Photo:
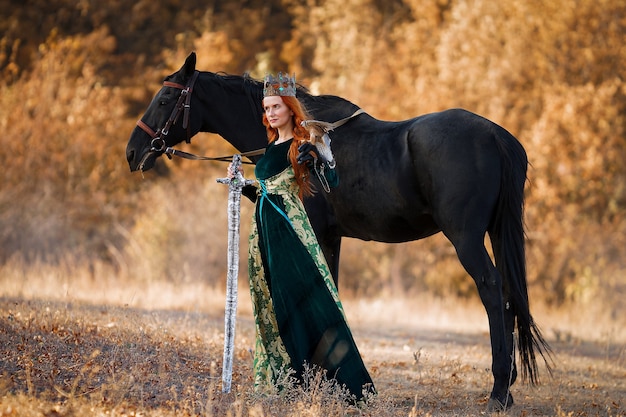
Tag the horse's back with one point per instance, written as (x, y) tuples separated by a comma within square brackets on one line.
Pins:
[(406, 180)]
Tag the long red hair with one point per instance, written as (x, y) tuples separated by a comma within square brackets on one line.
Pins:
[(300, 135)]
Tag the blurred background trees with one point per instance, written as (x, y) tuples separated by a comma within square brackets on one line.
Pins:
[(75, 76)]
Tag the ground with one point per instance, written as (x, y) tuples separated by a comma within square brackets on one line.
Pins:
[(84, 354)]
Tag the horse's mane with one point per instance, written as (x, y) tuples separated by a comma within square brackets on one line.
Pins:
[(328, 107), (327, 100), (234, 83)]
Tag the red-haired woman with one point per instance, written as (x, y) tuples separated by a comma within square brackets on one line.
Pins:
[(299, 319)]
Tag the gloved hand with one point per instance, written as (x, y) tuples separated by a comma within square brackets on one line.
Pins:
[(317, 160), (308, 154)]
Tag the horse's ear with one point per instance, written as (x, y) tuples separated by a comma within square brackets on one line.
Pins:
[(189, 66)]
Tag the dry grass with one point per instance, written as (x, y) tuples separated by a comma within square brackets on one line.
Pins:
[(107, 345)]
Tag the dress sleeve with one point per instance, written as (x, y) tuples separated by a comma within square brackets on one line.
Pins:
[(331, 176), (250, 192)]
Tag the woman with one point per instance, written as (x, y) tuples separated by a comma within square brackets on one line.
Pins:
[(299, 319)]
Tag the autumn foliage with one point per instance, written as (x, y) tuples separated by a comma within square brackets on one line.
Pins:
[(76, 75)]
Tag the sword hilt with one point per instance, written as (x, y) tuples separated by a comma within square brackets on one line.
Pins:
[(236, 178)]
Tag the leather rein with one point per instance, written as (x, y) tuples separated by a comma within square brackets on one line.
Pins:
[(183, 106)]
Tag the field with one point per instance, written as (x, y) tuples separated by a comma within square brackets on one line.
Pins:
[(102, 346)]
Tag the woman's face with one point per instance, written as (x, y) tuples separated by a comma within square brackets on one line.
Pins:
[(277, 113)]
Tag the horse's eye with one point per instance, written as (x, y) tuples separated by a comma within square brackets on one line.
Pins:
[(164, 100)]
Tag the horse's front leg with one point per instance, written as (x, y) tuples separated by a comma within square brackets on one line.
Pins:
[(331, 248)]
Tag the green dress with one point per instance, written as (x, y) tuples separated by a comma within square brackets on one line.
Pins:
[(299, 318)]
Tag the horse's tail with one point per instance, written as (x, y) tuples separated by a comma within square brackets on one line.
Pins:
[(507, 236)]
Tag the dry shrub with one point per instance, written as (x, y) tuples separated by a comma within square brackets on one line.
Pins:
[(189, 246), (587, 170), (581, 192), (63, 175), (548, 72)]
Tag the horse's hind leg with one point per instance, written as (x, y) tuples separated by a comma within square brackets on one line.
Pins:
[(473, 255)]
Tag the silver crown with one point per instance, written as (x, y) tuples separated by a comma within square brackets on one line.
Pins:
[(281, 85)]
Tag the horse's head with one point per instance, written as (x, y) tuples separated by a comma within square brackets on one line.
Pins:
[(166, 121)]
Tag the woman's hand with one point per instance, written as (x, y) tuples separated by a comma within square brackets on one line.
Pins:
[(312, 154), (308, 153), (230, 173)]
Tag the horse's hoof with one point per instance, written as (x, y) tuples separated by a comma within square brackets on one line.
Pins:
[(496, 406)]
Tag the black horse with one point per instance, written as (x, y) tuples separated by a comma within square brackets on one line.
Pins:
[(452, 172)]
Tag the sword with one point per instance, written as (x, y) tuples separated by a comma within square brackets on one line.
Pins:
[(235, 183)]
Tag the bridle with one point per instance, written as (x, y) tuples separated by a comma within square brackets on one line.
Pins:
[(158, 145), (183, 106)]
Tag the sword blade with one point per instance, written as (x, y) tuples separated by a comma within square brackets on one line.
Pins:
[(235, 184)]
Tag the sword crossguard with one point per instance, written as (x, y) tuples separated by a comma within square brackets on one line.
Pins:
[(236, 179)]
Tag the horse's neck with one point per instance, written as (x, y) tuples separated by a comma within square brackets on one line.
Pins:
[(245, 136), (236, 121)]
